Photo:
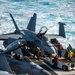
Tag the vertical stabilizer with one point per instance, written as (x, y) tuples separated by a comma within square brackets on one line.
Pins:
[(4, 65), (32, 23), (17, 29), (61, 29)]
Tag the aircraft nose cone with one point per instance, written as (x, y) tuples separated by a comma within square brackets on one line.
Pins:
[(50, 49), (53, 50)]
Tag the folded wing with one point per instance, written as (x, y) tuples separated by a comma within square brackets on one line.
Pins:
[(61, 32)]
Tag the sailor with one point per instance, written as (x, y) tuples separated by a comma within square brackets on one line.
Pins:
[(17, 56), (60, 45), (59, 52), (70, 55), (70, 47), (37, 52), (67, 52), (66, 55), (55, 61), (12, 54)]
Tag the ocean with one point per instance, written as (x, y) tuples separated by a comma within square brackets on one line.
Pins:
[(49, 13)]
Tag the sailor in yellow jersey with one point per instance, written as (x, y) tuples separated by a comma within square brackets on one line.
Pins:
[(70, 55)]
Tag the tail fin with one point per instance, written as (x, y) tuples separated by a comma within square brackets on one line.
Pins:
[(61, 29), (32, 23), (17, 29), (4, 65)]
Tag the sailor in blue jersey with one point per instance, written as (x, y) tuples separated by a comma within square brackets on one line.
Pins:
[(59, 52)]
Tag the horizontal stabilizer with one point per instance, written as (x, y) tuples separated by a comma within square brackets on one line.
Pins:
[(32, 23), (17, 29)]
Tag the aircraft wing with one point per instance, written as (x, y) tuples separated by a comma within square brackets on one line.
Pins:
[(6, 36), (50, 36), (16, 36), (61, 32)]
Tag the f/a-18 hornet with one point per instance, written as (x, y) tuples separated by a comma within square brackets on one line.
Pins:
[(12, 62), (36, 39)]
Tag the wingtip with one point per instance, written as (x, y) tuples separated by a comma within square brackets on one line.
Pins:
[(61, 23), (34, 14), (10, 14), (17, 29)]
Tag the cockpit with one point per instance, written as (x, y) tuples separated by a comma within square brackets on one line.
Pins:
[(42, 32), (16, 44)]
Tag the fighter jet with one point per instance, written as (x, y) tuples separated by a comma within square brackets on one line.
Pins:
[(21, 66), (29, 35), (4, 64)]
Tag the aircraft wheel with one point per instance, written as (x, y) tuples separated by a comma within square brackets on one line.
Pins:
[(65, 68)]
